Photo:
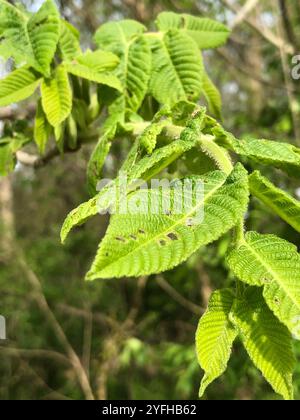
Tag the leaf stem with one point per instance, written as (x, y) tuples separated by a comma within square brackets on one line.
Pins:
[(217, 153)]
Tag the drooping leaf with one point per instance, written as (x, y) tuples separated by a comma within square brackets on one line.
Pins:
[(18, 85), (100, 61), (280, 202), (207, 33), (86, 72), (42, 129), (124, 39), (7, 160), (69, 41), (177, 71), (8, 148), (57, 97), (274, 264), (97, 160), (266, 152), (72, 131), (212, 96), (215, 336), (266, 340), (110, 34), (145, 243), (143, 169)]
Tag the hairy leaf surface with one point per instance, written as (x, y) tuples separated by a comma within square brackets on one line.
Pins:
[(274, 264), (143, 244), (31, 39), (215, 336), (280, 202), (124, 39), (280, 155), (266, 340), (69, 44), (177, 73)]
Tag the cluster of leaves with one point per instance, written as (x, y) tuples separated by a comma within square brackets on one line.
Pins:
[(148, 88)]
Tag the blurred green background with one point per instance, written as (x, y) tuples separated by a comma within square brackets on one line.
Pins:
[(135, 338)]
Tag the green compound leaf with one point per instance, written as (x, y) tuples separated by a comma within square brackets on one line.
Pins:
[(215, 337), (274, 264), (266, 340), (144, 244)]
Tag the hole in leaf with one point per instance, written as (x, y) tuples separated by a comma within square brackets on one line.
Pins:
[(277, 301), (162, 242), (190, 223), (142, 232), (133, 237), (173, 236), (120, 239)]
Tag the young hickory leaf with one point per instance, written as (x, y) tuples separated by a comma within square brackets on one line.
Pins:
[(57, 97), (14, 40), (42, 129), (177, 70), (31, 39), (124, 39), (215, 336), (148, 138), (43, 32), (266, 340), (18, 85), (144, 244), (99, 61), (97, 160), (69, 44), (87, 72), (281, 203), (207, 33), (280, 155), (274, 264)]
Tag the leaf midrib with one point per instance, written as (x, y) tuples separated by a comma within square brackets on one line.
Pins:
[(273, 273), (171, 228)]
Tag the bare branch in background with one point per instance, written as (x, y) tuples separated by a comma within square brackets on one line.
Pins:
[(279, 42), (244, 12), (187, 304)]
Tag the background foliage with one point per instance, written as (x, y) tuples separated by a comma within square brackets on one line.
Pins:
[(136, 338)]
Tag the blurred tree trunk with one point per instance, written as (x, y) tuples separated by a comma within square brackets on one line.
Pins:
[(6, 218)]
